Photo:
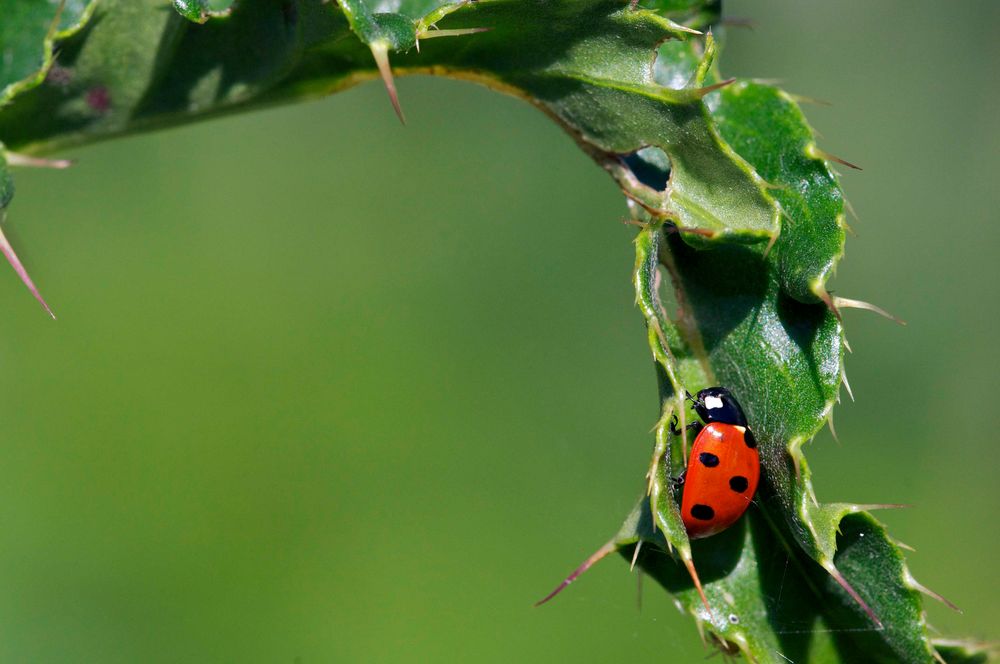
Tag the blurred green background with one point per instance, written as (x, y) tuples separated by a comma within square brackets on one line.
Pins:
[(324, 388)]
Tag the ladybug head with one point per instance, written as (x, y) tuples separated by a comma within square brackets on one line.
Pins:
[(717, 404)]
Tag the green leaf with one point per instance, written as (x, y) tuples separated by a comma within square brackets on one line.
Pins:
[(599, 86), (740, 214), (766, 127), (108, 72), (740, 323), (762, 593), (27, 32), (602, 90)]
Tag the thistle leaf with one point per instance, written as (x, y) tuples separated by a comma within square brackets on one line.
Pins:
[(741, 226)]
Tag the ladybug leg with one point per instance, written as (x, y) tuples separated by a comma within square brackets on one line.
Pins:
[(679, 480), (674, 431)]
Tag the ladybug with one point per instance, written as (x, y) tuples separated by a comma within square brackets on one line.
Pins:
[(724, 467)]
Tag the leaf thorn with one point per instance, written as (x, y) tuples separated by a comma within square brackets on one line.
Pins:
[(803, 99), (850, 209), (431, 34), (913, 583), (869, 507), (54, 26), (609, 547), (683, 28), (846, 226), (15, 159), (847, 385), (380, 51), (814, 151), (635, 555), (833, 431), (701, 92), (770, 243), (22, 272), (839, 578), (689, 563), (820, 290), (847, 303)]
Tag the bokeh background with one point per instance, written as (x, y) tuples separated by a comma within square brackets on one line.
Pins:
[(324, 388)]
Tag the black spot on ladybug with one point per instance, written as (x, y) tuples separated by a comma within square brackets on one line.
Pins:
[(708, 459), (703, 512), (738, 483), (749, 439)]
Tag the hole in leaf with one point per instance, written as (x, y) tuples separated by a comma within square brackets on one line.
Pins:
[(650, 166)]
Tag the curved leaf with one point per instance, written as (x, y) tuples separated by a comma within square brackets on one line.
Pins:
[(741, 323), (587, 63), (710, 171)]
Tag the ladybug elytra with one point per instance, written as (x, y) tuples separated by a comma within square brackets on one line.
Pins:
[(724, 466)]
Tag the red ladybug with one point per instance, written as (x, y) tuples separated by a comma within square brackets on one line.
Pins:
[(724, 467)]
